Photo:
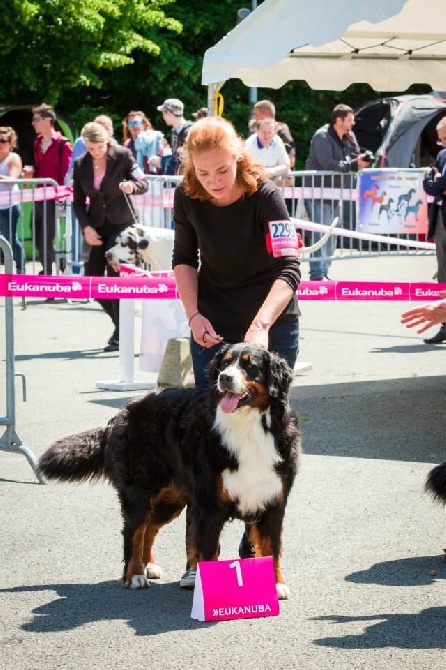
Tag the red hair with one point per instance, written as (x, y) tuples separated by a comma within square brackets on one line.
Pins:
[(211, 133)]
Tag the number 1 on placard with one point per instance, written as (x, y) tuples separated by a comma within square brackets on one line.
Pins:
[(238, 571)]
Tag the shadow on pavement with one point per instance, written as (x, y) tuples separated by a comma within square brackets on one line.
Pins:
[(419, 348), (66, 355), (425, 630), (397, 419), (413, 571), (159, 609)]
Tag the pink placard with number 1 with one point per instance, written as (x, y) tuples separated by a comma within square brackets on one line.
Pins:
[(235, 589)]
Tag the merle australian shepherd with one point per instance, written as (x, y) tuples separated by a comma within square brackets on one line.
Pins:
[(228, 453)]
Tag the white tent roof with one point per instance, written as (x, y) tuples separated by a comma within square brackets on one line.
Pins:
[(389, 44)]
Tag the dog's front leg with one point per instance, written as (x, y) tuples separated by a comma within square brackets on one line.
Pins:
[(134, 577), (265, 536), (203, 529)]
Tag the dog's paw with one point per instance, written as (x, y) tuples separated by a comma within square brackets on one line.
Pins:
[(138, 582), (283, 592), (153, 571)]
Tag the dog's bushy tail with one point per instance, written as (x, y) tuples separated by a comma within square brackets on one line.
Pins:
[(436, 483), (78, 458)]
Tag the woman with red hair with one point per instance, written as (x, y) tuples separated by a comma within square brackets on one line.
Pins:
[(235, 283)]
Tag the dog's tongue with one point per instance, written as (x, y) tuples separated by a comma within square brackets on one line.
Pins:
[(229, 402)]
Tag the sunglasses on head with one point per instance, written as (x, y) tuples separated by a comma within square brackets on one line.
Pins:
[(4, 140), (134, 123)]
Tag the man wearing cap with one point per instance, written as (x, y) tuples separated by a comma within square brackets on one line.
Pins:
[(173, 110), (52, 154)]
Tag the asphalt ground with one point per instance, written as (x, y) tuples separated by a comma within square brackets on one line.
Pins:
[(362, 541)]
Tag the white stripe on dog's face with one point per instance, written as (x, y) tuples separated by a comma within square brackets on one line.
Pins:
[(120, 254), (137, 245), (238, 380)]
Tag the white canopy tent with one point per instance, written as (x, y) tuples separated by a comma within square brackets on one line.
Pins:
[(389, 44)]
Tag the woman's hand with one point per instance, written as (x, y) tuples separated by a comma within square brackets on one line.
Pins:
[(257, 334), (126, 187), (91, 236), (203, 331)]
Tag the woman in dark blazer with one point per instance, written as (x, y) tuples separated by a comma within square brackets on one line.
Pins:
[(106, 175)]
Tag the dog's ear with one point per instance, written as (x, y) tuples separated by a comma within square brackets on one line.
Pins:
[(214, 366), (278, 375)]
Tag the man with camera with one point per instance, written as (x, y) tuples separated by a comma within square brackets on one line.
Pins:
[(334, 148)]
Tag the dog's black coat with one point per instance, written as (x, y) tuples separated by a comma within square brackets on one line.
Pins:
[(436, 483), (436, 486), (173, 448)]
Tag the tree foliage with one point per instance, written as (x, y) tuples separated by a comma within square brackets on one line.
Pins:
[(52, 46)]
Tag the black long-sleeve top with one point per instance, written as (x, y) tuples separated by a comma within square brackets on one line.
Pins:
[(230, 243)]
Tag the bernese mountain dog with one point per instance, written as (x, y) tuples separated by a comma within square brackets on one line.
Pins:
[(229, 453)]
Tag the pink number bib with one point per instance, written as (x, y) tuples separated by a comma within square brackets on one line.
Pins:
[(284, 239)]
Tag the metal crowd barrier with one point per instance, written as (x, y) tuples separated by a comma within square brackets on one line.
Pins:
[(33, 198), (10, 441), (301, 189), (307, 192)]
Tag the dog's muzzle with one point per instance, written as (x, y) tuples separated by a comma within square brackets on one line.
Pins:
[(236, 394)]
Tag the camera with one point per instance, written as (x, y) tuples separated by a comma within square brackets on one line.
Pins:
[(368, 156)]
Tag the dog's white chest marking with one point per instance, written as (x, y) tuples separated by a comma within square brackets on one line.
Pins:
[(255, 483)]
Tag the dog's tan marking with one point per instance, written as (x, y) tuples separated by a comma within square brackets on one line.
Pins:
[(144, 536), (246, 357), (176, 501), (262, 547), (261, 400), (135, 566)]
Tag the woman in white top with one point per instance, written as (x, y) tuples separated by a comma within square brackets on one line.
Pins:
[(10, 168)]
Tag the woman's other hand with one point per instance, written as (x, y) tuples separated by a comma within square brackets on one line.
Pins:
[(126, 187), (91, 236), (203, 331)]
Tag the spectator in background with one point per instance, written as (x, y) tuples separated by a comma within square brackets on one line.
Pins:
[(79, 147), (10, 168), (266, 147), (201, 113), (334, 148), (434, 184), (52, 155), (173, 110), (79, 247), (266, 109), (142, 140), (102, 180)]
